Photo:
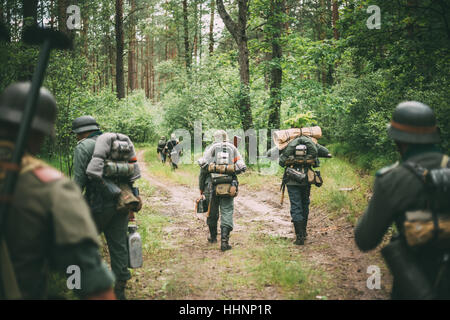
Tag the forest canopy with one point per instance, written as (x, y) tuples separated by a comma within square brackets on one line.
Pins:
[(148, 67)]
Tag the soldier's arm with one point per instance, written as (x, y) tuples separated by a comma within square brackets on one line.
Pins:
[(377, 218), (75, 240), (322, 151), (96, 281), (80, 162)]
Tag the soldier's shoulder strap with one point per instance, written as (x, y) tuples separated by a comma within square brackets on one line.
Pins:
[(40, 169), (387, 169)]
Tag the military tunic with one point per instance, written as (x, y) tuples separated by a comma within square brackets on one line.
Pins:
[(397, 190), (50, 228)]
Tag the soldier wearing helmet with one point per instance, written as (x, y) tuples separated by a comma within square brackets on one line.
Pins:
[(49, 226), (108, 220), (403, 195), (218, 182)]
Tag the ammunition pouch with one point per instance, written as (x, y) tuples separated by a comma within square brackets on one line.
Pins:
[(224, 185), (421, 228), (222, 168), (410, 279), (300, 162), (227, 189)]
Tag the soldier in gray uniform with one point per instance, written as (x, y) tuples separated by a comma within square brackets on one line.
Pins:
[(49, 226), (298, 158), (220, 165), (402, 192), (112, 223)]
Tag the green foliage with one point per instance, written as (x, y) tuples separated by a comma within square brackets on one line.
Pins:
[(301, 120)]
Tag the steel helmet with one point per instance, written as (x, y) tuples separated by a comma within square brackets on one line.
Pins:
[(12, 106), (413, 122), (84, 124)]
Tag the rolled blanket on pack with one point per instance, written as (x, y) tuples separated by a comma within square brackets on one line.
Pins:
[(115, 147), (282, 138)]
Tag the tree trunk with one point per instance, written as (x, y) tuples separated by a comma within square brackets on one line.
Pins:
[(238, 31), (211, 27), (147, 73), (119, 49), (187, 52), (62, 16), (276, 73), (335, 19), (132, 49)]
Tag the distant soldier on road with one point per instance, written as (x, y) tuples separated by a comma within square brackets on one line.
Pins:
[(413, 194), (173, 152), (162, 148), (49, 226), (220, 165)]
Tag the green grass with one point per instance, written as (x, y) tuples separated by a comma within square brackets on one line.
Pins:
[(339, 174), (279, 264)]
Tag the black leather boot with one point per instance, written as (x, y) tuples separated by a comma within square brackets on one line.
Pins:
[(119, 289), (212, 234), (224, 238), (300, 227)]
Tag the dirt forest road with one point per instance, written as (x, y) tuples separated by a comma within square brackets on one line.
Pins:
[(202, 271)]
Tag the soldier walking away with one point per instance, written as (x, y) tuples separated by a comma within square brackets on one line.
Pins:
[(299, 158), (172, 152), (49, 226), (220, 165), (102, 195), (414, 194), (160, 150)]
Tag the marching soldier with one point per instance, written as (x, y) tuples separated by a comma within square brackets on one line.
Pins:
[(300, 155), (113, 224), (160, 150), (49, 226), (220, 165), (413, 194)]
